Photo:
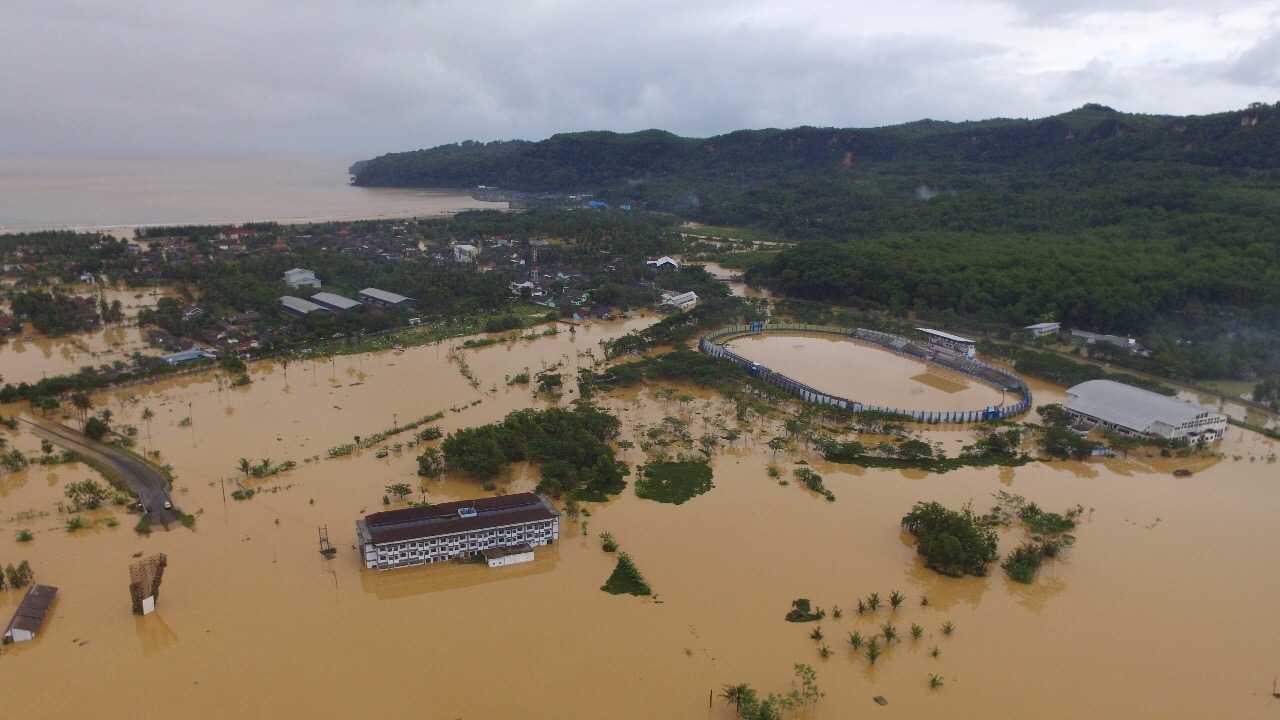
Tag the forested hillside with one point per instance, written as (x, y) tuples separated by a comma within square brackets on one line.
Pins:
[(1158, 226)]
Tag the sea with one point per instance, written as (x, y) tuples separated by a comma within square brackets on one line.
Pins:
[(118, 193)]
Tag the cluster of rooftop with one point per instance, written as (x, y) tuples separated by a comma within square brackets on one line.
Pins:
[(325, 302), (436, 533)]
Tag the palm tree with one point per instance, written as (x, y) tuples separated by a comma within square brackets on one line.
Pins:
[(245, 467), (147, 417), (82, 403), (736, 694), (896, 599), (873, 601), (873, 651), (856, 640), (890, 633)]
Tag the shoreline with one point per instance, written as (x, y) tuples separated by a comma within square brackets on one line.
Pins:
[(126, 231)]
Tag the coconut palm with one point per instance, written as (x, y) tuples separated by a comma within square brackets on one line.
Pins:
[(916, 631), (736, 694), (874, 651), (856, 640), (890, 633), (948, 628), (873, 601), (147, 417), (245, 467), (896, 599)]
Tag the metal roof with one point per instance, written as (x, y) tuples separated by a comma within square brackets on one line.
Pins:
[(945, 336), (384, 296), (1129, 406), (297, 304), (335, 300)]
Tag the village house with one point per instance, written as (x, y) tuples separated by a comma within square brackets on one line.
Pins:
[(680, 301), (662, 263), (30, 615), (455, 530), (465, 253), (298, 277)]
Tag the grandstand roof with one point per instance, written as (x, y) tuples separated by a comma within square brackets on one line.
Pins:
[(945, 336), (1129, 406)]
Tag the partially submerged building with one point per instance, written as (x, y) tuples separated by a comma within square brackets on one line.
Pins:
[(1129, 410), (436, 533), (30, 616)]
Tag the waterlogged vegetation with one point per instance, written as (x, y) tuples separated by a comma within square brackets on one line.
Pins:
[(570, 443), (673, 482), (803, 695), (964, 543), (626, 579)]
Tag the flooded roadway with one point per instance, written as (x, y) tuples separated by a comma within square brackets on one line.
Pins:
[(1164, 609)]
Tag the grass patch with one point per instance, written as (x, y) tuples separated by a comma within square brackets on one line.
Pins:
[(626, 579), (673, 482)]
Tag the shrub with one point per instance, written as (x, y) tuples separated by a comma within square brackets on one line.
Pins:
[(673, 482), (952, 543), (1022, 564), (626, 579), (25, 535)]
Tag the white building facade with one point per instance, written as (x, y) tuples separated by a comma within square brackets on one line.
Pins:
[(436, 533), (1129, 410)]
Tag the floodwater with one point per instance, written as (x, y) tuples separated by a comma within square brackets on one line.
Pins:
[(1164, 609), (106, 192), (737, 287), (866, 373), (30, 356)]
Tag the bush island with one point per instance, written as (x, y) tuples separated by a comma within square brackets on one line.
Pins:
[(673, 482), (952, 543)]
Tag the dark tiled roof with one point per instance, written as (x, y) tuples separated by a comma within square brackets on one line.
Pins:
[(35, 605), (412, 523)]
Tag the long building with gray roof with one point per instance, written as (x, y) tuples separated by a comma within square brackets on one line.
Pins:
[(1129, 410)]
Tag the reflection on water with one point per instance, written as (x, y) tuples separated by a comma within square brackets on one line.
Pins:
[(439, 577), (154, 633)]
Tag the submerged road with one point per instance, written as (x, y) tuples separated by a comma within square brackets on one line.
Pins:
[(148, 483)]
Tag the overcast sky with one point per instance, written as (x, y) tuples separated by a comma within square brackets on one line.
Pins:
[(363, 77)]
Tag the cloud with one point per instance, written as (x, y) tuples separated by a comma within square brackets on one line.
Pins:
[(368, 77)]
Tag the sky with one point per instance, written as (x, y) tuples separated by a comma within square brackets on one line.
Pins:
[(364, 77)]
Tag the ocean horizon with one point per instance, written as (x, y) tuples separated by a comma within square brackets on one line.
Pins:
[(121, 192)]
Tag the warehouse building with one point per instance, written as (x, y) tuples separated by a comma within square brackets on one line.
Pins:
[(298, 307), (335, 302), (382, 298), (436, 533), (1129, 410)]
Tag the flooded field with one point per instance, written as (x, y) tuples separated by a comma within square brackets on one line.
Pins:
[(866, 373), (1165, 608), (31, 356)]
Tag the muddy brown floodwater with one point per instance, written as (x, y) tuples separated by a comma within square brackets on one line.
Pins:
[(31, 356), (865, 373), (1165, 608)]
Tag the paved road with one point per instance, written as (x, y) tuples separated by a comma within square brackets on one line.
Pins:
[(150, 485)]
